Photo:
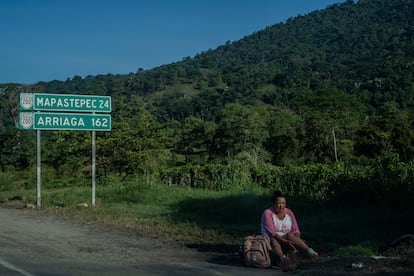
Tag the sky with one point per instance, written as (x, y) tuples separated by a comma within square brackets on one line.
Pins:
[(46, 40)]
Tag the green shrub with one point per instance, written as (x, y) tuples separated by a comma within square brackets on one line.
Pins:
[(324, 182)]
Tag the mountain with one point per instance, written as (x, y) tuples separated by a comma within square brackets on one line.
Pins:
[(363, 47), (281, 94)]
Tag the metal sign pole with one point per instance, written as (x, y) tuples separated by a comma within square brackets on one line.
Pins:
[(38, 170), (93, 166)]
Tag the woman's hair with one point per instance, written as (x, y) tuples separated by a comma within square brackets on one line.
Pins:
[(277, 194)]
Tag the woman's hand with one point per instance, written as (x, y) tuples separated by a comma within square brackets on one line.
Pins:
[(284, 240)]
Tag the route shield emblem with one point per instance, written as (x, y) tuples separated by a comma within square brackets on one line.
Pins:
[(26, 120), (26, 101)]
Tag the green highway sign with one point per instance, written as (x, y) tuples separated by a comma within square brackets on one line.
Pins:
[(64, 121), (64, 102)]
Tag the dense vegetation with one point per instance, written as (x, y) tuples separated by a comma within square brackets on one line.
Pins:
[(319, 100)]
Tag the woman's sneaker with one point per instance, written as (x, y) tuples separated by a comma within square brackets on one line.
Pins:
[(312, 253), (285, 263)]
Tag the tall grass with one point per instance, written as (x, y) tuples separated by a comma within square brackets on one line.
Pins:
[(6, 181)]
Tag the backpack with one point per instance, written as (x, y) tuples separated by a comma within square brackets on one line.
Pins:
[(256, 251)]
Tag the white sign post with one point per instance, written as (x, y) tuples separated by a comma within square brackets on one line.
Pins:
[(58, 120), (38, 170)]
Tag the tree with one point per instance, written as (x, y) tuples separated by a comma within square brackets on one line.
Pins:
[(241, 129), (330, 115), (68, 152), (17, 150), (285, 132), (389, 132), (135, 146), (192, 139)]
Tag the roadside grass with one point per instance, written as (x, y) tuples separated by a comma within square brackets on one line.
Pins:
[(219, 220), (353, 250)]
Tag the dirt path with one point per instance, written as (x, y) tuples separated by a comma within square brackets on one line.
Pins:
[(33, 244)]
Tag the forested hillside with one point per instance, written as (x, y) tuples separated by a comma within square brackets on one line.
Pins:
[(335, 85)]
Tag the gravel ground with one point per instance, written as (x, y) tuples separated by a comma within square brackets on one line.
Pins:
[(31, 240)]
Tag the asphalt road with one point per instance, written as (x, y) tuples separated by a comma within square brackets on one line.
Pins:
[(32, 244)]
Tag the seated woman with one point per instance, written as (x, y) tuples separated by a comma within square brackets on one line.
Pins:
[(279, 223)]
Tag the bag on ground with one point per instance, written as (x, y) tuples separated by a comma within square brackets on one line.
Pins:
[(256, 251)]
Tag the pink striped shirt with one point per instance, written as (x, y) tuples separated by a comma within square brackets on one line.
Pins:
[(272, 225)]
